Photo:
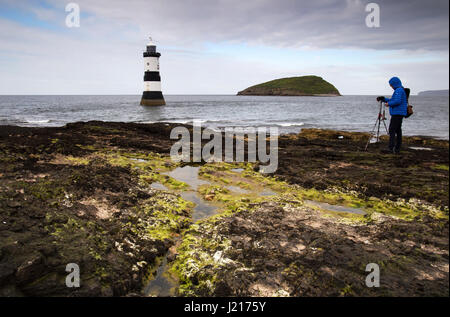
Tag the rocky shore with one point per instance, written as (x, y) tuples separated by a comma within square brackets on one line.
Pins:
[(85, 194)]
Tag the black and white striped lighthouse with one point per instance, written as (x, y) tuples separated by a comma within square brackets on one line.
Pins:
[(152, 95)]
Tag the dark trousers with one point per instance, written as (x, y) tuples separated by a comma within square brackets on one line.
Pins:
[(395, 132)]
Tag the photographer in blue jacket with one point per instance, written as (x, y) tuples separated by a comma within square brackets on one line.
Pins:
[(398, 105)]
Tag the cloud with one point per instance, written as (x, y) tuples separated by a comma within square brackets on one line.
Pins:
[(213, 47), (414, 24)]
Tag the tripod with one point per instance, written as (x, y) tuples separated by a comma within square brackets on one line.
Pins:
[(381, 117)]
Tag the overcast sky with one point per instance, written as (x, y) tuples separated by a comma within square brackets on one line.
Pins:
[(221, 47)]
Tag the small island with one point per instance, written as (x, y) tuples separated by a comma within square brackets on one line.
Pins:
[(443, 92), (293, 86)]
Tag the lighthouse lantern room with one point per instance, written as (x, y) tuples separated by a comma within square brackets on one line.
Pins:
[(152, 95)]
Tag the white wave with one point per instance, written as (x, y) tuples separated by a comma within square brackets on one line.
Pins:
[(180, 121), (291, 124), (226, 123), (37, 121)]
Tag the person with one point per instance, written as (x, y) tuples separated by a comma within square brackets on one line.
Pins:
[(398, 105)]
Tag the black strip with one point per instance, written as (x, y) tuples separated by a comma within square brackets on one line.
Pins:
[(152, 76), (147, 54), (152, 95), (178, 305)]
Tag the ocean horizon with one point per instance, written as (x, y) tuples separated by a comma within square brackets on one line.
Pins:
[(289, 114)]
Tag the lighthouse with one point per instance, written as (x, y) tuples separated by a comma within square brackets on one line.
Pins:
[(152, 95)]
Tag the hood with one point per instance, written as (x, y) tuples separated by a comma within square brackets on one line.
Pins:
[(395, 82)]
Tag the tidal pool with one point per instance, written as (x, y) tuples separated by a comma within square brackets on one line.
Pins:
[(158, 186), (202, 209), (420, 148), (188, 175), (237, 189), (162, 285), (336, 208), (138, 160), (267, 192)]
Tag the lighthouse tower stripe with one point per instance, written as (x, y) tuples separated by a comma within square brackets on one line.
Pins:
[(151, 64), (152, 95), (152, 80), (152, 86), (152, 76)]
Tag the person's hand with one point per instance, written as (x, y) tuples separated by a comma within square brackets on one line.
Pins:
[(386, 104), (380, 98)]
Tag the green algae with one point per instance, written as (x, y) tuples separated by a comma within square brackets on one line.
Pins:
[(81, 238), (88, 147), (45, 190), (441, 167), (401, 208), (78, 160), (145, 161), (166, 180), (149, 166), (163, 217), (160, 217), (212, 191), (168, 216), (323, 134), (195, 263)]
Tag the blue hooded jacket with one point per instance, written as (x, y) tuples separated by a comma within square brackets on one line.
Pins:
[(397, 103)]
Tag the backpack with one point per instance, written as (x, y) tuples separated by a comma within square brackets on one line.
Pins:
[(409, 108)]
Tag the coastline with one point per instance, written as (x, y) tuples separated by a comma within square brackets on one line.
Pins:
[(82, 194)]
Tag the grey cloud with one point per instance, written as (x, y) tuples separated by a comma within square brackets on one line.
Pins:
[(412, 25), (110, 40)]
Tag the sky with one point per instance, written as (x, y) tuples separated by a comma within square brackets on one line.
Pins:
[(221, 46)]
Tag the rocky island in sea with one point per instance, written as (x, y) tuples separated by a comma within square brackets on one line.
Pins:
[(443, 92), (293, 86)]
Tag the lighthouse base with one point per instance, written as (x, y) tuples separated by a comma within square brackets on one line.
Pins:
[(152, 98), (152, 102)]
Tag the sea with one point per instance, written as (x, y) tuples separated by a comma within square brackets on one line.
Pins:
[(288, 114)]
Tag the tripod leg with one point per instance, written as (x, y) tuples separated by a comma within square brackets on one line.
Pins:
[(372, 132), (378, 131), (378, 121), (384, 122)]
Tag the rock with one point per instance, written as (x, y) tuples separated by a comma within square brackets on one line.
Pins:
[(10, 290), (6, 271), (29, 269), (222, 289), (13, 204), (172, 254)]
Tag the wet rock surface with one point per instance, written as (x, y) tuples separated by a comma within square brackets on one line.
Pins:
[(294, 251), (323, 158), (82, 194), (57, 207)]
